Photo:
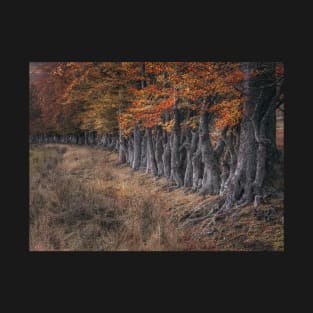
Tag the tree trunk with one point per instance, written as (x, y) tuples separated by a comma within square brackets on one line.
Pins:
[(144, 151), (197, 167), (137, 149), (130, 147), (250, 173), (166, 157), (265, 134), (159, 151), (151, 156), (229, 163), (191, 147), (211, 174), (240, 185), (188, 169), (121, 149), (175, 157)]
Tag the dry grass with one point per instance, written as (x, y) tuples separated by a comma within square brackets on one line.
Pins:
[(80, 201), (242, 231)]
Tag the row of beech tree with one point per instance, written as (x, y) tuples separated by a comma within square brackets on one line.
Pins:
[(236, 161)]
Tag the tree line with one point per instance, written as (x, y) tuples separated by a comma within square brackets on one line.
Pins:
[(206, 126)]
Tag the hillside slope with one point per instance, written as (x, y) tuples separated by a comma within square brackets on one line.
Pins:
[(80, 200)]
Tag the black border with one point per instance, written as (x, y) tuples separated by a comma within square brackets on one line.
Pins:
[(173, 46)]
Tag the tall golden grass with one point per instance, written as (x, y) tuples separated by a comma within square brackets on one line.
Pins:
[(79, 203)]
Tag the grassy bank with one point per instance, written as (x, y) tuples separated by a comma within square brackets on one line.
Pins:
[(78, 202), (81, 201)]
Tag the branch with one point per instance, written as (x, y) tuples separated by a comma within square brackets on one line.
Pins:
[(271, 108), (254, 117), (184, 145)]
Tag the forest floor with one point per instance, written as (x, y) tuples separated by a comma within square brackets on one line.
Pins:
[(81, 200)]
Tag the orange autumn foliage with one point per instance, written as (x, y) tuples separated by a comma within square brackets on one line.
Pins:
[(105, 96)]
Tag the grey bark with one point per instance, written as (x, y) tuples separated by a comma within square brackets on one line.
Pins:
[(151, 163), (250, 174), (166, 157), (191, 147), (144, 150), (229, 162), (211, 174), (130, 148), (176, 174), (121, 149), (197, 169), (159, 151), (137, 149)]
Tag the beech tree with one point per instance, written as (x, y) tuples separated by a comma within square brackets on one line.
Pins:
[(257, 147)]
